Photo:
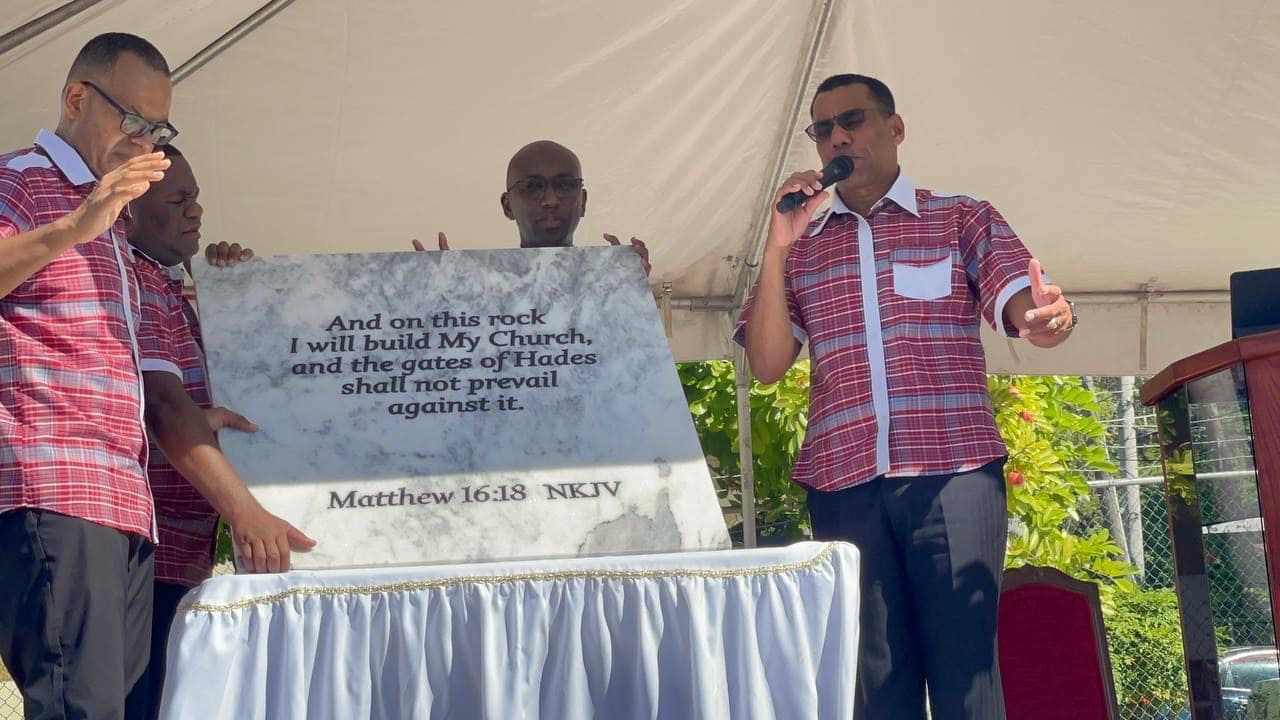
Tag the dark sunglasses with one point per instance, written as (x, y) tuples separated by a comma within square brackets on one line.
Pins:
[(535, 186), (136, 126), (848, 120)]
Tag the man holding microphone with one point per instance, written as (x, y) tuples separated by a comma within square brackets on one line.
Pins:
[(901, 456)]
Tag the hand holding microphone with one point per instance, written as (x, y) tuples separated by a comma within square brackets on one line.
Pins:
[(799, 197), (838, 169)]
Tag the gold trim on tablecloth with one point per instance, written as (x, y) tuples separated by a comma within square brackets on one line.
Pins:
[(585, 574)]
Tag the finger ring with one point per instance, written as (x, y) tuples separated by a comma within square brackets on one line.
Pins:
[(1053, 323)]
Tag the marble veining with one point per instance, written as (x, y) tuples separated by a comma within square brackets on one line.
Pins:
[(567, 435)]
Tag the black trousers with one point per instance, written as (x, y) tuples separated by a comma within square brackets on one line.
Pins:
[(75, 613), (932, 552), (143, 702)]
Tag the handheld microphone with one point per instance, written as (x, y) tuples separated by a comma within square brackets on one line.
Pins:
[(835, 171)]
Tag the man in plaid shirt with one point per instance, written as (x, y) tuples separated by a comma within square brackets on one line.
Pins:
[(901, 456), (75, 512), (164, 229), (76, 515)]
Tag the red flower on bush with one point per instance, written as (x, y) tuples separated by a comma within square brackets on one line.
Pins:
[(1026, 415), (1015, 478)]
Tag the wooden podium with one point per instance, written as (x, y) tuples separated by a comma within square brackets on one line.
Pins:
[(1219, 424)]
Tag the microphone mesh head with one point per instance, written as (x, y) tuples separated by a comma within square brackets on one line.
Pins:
[(839, 168)]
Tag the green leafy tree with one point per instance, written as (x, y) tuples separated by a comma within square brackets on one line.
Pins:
[(1051, 429), (779, 414), (1048, 423), (222, 550), (1145, 642)]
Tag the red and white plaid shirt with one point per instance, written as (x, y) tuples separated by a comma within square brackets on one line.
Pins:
[(889, 305), (169, 338), (71, 431)]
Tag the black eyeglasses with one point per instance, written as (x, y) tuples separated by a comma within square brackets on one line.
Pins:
[(136, 126), (535, 186), (849, 120)]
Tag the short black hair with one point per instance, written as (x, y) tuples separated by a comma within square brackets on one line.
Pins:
[(878, 89), (101, 53)]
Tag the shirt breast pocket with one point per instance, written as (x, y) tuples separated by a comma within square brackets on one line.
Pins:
[(928, 280)]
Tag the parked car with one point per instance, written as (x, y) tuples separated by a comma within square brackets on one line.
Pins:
[(1240, 669)]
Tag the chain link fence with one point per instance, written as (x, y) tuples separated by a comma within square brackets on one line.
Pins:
[(1148, 669), (1149, 679), (1144, 634), (10, 700)]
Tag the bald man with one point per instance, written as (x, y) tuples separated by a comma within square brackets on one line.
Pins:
[(546, 198)]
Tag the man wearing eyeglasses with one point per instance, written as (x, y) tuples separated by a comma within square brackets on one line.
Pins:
[(546, 198), (76, 520), (901, 456)]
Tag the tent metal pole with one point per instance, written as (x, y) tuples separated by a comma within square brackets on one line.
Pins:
[(37, 26), (1155, 297), (760, 228), (741, 369), (725, 303), (742, 383), (1142, 298), (229, 38)]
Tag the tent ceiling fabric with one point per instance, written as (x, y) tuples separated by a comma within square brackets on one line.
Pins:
[(1131, 146)]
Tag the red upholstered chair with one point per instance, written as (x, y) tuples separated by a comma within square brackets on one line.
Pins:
[(1053, 648)]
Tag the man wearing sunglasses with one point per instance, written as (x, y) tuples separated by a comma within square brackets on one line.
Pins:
[(901, 456), (546, 198), (76, 519)]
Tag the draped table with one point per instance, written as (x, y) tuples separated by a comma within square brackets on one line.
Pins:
[(766, 633)]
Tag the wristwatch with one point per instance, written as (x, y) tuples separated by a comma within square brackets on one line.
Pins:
[(1075, 319)]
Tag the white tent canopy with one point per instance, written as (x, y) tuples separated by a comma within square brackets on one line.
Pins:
[(1135, 146)]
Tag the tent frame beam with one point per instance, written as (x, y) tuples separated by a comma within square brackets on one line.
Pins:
[(726, 303), (228, 39), (760, 227), (37, 26), (741, 370)]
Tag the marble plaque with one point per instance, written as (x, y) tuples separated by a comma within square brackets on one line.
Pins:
[(426, 407)]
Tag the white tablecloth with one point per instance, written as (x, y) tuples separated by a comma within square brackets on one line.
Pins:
[(768, 633)]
